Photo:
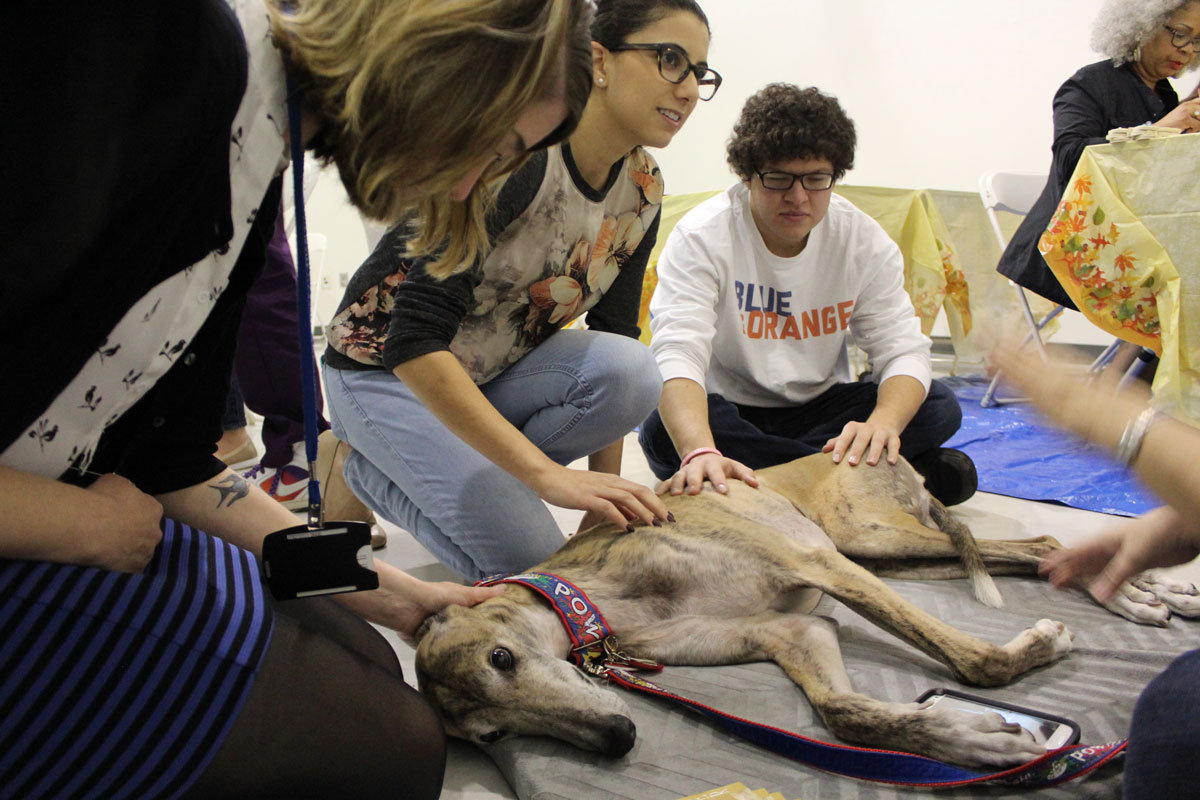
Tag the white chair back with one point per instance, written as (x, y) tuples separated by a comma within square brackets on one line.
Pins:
[(1014, 192)]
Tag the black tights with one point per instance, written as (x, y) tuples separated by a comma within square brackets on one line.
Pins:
[(329, 715)]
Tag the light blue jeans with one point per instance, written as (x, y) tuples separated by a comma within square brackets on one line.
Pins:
[(574, 394)]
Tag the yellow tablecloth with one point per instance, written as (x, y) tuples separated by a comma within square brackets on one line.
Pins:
[(1123, 243), (933, 276)]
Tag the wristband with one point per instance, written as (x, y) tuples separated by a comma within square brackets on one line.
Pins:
[(699, 451), (1133, 434)]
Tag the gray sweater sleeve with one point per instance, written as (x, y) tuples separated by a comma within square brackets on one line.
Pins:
[(427, 311)]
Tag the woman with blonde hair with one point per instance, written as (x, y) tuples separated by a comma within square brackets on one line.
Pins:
[(462, 396), (139, 656), (1147, 42)]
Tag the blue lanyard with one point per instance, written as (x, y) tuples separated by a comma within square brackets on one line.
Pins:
[(308, 373), (593, 649)]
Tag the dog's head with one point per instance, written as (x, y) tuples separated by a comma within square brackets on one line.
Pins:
[(492, 672)]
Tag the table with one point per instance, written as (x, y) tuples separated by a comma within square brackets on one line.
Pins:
[(933, 276), (1123, 243)]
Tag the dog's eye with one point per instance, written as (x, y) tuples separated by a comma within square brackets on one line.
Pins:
[(502, 659), (494, 736)]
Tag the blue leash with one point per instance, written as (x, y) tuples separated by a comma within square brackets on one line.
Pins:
[(308, 372), (594, 649), (309, 560)]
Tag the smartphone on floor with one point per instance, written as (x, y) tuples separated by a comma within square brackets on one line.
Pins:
[(1047, 729)]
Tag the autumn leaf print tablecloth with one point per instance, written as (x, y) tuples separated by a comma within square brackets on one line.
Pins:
[(1124, 245)]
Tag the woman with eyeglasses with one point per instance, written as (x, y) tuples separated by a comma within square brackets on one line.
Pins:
[(462, 396), (1147, 42)]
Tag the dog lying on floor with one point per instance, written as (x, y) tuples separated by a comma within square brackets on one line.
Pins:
[(734, 579)]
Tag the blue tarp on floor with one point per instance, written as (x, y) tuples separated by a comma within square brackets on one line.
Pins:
[(1018, 455)]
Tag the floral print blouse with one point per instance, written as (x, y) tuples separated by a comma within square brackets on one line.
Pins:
[(560, 249)]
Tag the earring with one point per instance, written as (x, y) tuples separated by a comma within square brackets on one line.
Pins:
[(599, 81)]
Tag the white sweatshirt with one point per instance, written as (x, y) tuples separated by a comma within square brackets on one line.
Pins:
[(766, 331)]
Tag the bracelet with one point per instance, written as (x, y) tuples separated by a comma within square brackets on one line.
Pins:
[(699, 451), (1135, 431)]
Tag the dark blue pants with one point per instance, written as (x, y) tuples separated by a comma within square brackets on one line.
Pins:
[(1163, 760), (235, 407), (763, 437)]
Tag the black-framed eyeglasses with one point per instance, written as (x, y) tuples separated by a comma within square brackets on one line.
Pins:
[(674, 66), (1181, 39), (782, 181)]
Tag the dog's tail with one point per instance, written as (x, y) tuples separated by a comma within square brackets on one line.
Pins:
[(968, 550)]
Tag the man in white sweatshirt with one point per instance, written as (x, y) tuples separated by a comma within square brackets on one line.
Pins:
[(759, 291)]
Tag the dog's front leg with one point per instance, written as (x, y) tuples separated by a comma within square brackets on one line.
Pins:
[(973, 660), (806, 647)]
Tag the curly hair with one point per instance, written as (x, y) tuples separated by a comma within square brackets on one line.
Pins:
[(1123, 26), (782, 122), (411, 95)]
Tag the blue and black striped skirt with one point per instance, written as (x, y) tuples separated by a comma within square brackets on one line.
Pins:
[(115, 685)]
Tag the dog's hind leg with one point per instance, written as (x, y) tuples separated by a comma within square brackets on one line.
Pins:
[(1181, 597), (806, 647), (894, 535), (936, 569), (1147, 599), (1000, 557), (971, 659)]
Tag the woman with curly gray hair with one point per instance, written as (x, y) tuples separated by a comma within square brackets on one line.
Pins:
[(1147, 42)]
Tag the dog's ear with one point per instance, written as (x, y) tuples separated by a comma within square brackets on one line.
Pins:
[(426, 624)]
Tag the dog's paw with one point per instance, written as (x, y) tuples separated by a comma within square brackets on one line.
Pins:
[(1049, 641), (1046, 642), (1181, 597), (980, 739), (1138, 606)]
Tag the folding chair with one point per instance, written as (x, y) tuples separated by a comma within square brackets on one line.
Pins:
[(1016, 192)]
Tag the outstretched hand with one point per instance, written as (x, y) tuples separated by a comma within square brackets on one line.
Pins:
[(1185, 116), (602, 495), (712, 467), (1062, 394), (864, 438), (1159, 538), (415, 600)]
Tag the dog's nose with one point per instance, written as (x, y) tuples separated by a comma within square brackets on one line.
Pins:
[(619, 735)]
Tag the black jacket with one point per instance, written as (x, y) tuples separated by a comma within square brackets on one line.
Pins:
[(116, 177), (1092, 102)]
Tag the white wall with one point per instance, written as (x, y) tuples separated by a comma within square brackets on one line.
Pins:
[(940, 91)]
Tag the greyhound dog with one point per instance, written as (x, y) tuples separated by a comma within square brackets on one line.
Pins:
[(734, 580)]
